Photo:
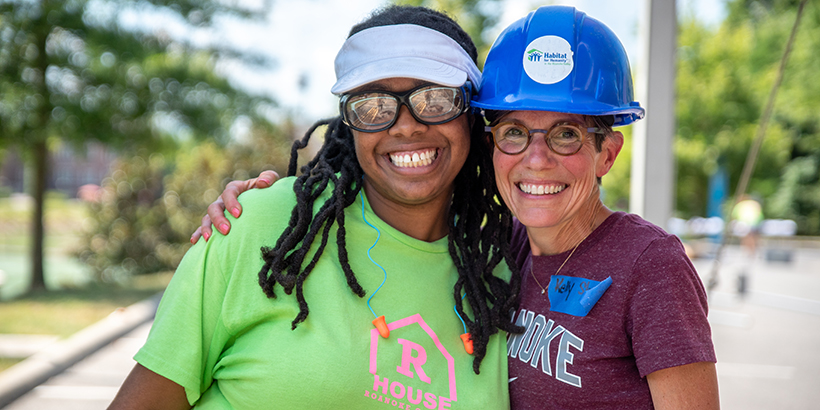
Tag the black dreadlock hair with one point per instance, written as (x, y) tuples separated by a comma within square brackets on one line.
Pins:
[(480, 225)]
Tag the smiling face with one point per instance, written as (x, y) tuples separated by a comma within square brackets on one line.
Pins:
[(410, 163), (547, 190)]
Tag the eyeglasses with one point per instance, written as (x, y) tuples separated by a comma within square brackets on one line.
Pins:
[(564, 138), (374, 111)]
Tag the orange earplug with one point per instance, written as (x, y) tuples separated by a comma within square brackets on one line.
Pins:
[(381, 325), (468, 343)]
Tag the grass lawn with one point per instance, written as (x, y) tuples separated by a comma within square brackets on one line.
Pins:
[(66, 312), (6, 363), (71, 304), (64, 220)]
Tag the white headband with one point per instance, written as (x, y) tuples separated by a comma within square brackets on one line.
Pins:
[(402, 50)]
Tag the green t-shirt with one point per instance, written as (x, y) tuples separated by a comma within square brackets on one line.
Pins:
[(231, 347)]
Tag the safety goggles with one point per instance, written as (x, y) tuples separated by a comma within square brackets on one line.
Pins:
[(564, 138), (374, 111)]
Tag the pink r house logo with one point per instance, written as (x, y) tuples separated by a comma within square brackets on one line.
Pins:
[(413, 358)]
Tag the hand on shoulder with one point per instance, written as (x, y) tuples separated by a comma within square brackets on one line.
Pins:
[(228, 200)]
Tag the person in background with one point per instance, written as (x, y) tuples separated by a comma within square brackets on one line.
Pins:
[(376, 285), (615, 315), (748, 217)]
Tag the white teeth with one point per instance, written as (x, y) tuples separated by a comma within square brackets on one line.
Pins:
[(416, 159), (541, 189)]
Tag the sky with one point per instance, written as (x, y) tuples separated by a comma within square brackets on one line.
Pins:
[(303, 37)]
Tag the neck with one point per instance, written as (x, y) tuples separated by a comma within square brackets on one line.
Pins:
[(566, 236), (426, 222)]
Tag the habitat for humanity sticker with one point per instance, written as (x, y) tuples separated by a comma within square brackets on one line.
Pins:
[(548, 59)]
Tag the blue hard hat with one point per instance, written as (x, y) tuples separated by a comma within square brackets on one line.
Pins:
[(559, 59)]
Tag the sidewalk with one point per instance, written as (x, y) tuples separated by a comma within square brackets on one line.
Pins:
[(84, 366), (767, 343), (92, 383)]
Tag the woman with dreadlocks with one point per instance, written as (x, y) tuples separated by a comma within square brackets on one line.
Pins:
[(384, 285), (614, 312)]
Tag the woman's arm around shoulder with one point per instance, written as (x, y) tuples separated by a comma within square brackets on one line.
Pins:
[(228, 201), (146, 390), (691, 386)]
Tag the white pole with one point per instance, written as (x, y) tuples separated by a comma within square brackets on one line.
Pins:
[(652, 189)]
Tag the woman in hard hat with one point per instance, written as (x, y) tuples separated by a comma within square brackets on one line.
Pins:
[(391, 207), (614, 311)]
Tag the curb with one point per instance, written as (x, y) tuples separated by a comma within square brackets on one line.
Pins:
[(30, 373)]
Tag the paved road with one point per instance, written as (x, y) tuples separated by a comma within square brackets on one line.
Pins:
[(768, 342)]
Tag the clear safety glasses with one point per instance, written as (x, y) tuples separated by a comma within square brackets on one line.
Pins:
[(564, 138), (374, 111)]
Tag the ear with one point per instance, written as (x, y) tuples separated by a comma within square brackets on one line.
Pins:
[(486, 137), (609, 152)]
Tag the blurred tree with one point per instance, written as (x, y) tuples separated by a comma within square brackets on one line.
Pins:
[(725, 75), (128, 230), (476, 17), (201, 173), (151, 203), (615, 185), (70, 70)]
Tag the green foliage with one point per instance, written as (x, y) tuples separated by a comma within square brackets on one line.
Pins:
[(130, 233), (151, 204), (202, 172), (70, 72), (798, 195), (615, 185), (475, 16), (725, 76)]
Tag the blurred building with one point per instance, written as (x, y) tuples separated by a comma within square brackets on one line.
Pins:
[(69, 169)]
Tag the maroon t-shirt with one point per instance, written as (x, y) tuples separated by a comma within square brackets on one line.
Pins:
[(580, 354)]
